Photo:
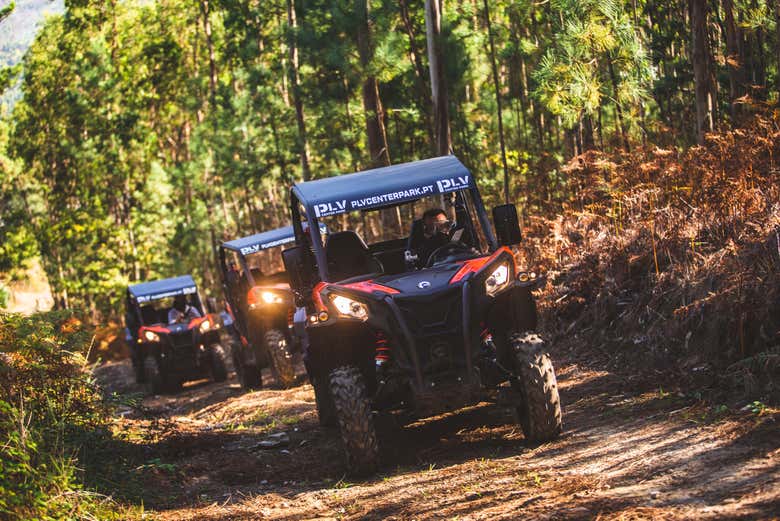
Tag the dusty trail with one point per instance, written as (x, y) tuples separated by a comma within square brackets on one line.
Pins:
[(630, 451)]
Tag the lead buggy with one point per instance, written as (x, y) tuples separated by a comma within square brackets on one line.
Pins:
[(387, 330)]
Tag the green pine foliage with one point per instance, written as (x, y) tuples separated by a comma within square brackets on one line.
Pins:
[(143, 140)]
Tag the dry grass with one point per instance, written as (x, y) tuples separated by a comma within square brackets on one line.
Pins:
[(672, 259)]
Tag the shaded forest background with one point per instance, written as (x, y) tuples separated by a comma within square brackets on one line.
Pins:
[(148, 132)]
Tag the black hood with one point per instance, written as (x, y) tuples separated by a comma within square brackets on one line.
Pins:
[(422, 281)]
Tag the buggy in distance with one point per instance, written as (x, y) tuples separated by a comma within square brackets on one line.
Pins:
[(172, 339), (259, 300)]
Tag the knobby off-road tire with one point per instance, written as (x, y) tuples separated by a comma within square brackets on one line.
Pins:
[(539, 412), (249, 376), (218, 366), (157, 381), (138, 369), (326, 410), (356, 423), (281, 358)]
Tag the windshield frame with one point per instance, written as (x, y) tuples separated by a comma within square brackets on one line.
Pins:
[(318, 247)]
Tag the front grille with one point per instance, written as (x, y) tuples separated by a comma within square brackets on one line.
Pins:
[(181, 339), (433, 315)]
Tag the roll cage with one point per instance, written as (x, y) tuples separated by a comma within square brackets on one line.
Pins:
[(376, 189), (148, 292)]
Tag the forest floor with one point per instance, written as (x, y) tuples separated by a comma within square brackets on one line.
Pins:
[(630, 450)]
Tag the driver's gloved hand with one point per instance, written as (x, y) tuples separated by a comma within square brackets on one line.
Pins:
[(410, 259)]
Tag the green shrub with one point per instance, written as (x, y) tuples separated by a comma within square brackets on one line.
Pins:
[(5, 296), (49, 412)]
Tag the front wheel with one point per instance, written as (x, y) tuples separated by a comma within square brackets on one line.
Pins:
[(159, 381), (356, 422), (281, 358), (218, 367), (326, 410), (249, 376), (138, 366), (539, 412)]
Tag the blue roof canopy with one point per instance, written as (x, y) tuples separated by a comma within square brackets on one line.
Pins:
[(384, 186), (159, 289), (265, 240)]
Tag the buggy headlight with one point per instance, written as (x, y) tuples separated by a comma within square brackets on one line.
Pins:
[(497, 280), (348, 307), (207, 325), (269, 297), (151, 336), (261, 297)]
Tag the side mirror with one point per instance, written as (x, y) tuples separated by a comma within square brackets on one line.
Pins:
[(507, 225), (295, 265)]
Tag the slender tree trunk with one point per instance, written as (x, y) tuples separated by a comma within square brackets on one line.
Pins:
[(777, 43), (372, 104), (207, 179), (618, 108), (734, 61), (295, 81), (419, 69), (700, 51), (441, 116), (205, 10), (497, 89)]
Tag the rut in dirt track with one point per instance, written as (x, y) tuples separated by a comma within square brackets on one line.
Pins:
[(629, 451)]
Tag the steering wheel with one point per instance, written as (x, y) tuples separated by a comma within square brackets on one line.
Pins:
[(439, 254)]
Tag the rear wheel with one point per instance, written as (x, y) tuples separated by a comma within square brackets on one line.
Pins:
[(356, 422), (218, 367), (539, 412), (248, 374), (281, 357)]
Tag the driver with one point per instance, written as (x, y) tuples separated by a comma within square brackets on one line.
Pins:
[(181, 311), (435, 234)]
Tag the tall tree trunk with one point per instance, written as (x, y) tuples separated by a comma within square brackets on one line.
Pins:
[(588, 143), (497, 89), (441, 116), (376, 132), (206, 10), (372, 104), (700, 51), (295, 81), (734, 60), (419, 69), (207, 179), (777, 42), (618, 107)]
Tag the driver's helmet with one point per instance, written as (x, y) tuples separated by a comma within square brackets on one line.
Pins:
[(180, 303), (436, 227)]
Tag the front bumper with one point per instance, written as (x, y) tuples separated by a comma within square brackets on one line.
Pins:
[(450, 318)]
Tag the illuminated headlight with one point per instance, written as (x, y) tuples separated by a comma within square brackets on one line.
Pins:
[(497, 280), (151, 336), (269, 297), (208, 325), (349, 308)]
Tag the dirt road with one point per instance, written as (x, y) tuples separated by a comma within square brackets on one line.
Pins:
[(631, 450)]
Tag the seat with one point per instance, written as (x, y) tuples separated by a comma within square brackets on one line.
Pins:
[(149, 315), (416, 235), (348, 256)]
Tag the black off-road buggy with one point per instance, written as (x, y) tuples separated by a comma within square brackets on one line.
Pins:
[(381, 333), (260, 302), (166, 355)]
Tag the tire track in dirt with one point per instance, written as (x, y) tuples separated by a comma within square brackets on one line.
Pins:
[(627, 453)]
